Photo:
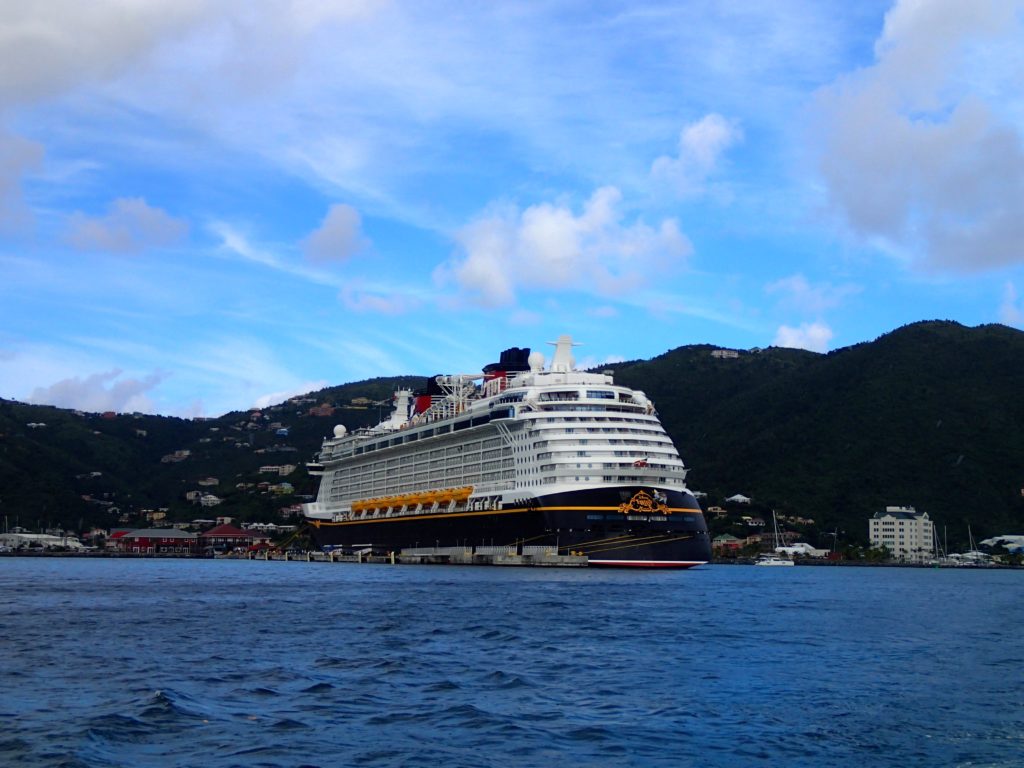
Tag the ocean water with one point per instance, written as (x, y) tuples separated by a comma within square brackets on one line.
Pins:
[(235, 663)]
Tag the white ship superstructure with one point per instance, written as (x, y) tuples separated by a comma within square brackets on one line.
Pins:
[(522, 454), (512, 437)]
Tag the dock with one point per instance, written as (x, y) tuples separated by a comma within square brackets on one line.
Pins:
[(500, 556)]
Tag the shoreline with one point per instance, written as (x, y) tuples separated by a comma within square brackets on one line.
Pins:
[(319, 557)]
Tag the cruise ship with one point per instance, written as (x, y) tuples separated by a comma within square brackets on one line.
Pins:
[(526, 458)]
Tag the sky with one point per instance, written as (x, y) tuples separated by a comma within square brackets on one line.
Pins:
[(214, 205)]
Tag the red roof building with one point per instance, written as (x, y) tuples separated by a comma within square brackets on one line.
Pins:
[(157, 541)]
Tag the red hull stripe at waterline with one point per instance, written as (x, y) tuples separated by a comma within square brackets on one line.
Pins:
[(650, 563)]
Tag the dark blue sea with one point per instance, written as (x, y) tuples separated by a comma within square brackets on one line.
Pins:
[(236, 663)]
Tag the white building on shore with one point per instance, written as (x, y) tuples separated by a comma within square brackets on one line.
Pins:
[(909, 535), (40, 541)]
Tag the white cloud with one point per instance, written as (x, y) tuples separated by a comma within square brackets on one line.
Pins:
[(130, 226), (548, 247), (100, 392), (236, 242), (918, 150), (525, 317), (797, 293), (812, 336), (55, 45), (273, 398), (17, 157), (338, 236), (1011, 311), (701, 145), (378, 301), (590, 362)]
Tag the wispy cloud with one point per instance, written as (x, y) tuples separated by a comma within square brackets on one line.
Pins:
[(18, 156), (797, 293), (918, 150), (387, 302), (233, 241), (1011, 311)]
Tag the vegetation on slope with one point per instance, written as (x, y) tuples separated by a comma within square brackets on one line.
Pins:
[(930, 415)]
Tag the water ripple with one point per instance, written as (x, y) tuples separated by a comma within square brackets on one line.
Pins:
[(380, 666)]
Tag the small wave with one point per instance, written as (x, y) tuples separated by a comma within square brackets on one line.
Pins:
[(467, 716), (117, 729), (591, 733), (318, 688), (13, 749), (442, 686), (393, 718), (505, 681), (167, 706)]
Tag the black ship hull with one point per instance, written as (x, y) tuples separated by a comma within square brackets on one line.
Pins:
[(638, 526)]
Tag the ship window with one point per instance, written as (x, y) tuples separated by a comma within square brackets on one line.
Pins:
[(566, 395), (600, 394)]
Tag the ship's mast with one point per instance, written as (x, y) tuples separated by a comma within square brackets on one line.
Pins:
[(563, 361)]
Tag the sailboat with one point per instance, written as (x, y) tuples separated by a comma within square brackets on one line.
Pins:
[(974, 556), (771, 559)]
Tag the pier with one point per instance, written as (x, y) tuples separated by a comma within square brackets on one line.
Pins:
[(507, 556)]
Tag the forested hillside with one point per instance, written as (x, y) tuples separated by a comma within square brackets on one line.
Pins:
[(930, 415)]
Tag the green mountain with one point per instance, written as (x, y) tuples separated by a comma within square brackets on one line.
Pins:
[(930, 415), (68, 469)]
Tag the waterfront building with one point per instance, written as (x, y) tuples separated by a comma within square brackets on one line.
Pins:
[(726, 543), (905, 532), (158, 541), (227, 537)]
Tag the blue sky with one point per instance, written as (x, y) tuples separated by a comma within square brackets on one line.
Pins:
[(207, 206)]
